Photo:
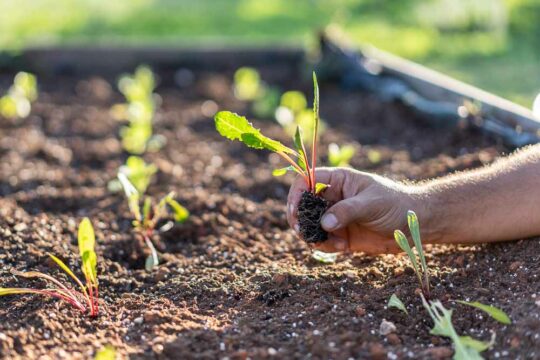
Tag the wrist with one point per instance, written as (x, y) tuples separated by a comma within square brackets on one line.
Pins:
[(430, 211)]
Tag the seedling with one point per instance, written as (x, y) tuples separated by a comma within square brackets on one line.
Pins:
[(147, 216), (340, 156), (293, 112), (395, 302), (248, 86), (420, 268), (139, 110), (108, 352), (86, 299), (17, 102), (312, 205), (465, 347), (492, 311)]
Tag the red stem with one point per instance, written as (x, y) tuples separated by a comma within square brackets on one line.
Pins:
[(298, 168)]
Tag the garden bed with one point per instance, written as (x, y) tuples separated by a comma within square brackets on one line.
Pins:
[(235, 282)]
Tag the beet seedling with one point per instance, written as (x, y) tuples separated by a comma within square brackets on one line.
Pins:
[(420, 269), (17, 102), (465, 347), (312, 205), (85, 300), (139, 111), (147, 216), (340, 156)]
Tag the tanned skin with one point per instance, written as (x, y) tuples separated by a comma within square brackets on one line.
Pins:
[(494, 203)]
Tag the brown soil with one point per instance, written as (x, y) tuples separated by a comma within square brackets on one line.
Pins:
[(311, 208), (235, 282)]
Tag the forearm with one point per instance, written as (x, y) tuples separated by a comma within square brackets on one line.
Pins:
[(499, 202)]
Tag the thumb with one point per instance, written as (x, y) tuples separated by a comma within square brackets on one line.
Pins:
[(343, 213)]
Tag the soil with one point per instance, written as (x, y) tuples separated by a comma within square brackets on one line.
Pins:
[(310, 211), (235, 282)]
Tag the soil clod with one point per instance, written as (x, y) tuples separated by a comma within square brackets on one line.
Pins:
[(310, 211)]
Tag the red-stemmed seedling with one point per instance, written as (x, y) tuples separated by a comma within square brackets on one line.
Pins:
[(85, 299), (312, 206), (147, 216)]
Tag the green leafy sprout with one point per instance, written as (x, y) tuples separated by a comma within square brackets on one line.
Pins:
[(492, 311), (395, 302), (236, 127), (465, 347), (139, 110), (293, 112), (148, 215), (420, 267), (340, 156), (85, 299), (17, 102)]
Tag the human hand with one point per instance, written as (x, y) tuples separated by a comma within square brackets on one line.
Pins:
[(364, 211)]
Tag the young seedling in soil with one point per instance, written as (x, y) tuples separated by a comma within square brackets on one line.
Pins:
[(138, 172), (465, 347), (139, 111), (492, 311), (17, 102), (86, 300), (420, 269), (148, 216), (395, 302), (312, 205), (340, 156)]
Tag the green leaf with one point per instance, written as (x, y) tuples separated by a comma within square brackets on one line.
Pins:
[(492, 311), (403, 243), (247, 84), (66, 269), (15, 291), (395, 302), (87, 240), (236, 127), (465, 348), (474, 344), (320, 187), (315, 108), (132, 195), (108, 352), (414, 227), (282, 171), (323, 257), (340, 156), (293, 100), (146, 208), (138, 172), (299, 144), (181, 214)]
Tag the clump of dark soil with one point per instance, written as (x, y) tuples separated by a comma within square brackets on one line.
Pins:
[(235, 282), (311, 208)]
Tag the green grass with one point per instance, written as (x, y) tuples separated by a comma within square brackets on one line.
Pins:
[(490, 43)]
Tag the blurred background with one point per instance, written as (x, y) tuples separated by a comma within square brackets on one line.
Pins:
[(493, 44)]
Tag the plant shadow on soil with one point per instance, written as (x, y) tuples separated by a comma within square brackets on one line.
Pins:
[(234, 274)]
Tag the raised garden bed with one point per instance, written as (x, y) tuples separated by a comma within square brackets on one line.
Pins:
[(235, 282)]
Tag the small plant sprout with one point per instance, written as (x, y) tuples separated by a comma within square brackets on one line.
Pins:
[(139, 111), (420, 268), (492, 311), (465, 347), (108, 352), (248, 85), (138, 172), (395, 302), (293, 112), (340, 156), (312, 205), (147, 216), (86, 299), (17, 102)]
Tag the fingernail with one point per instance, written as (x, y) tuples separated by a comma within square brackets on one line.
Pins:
[(340, 245), (329, 222), (297, 228), (291, 209)]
